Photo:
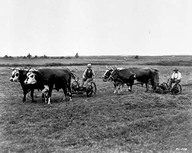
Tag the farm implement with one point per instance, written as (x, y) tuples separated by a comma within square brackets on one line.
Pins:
[(164, 88), (90, 89)]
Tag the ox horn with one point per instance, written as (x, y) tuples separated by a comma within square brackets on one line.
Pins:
[(26, 69), (11, 68), (16, 68), (114, 68), (33, 70), (107, 67)]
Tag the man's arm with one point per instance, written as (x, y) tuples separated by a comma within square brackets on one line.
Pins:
[(84, 73), (93, 73), (173, 76), (179, 76)]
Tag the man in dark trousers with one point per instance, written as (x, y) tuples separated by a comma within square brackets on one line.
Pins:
[(88, 75)]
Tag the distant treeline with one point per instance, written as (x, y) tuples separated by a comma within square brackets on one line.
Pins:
[(56, 64), (170, 63), (41, 57)]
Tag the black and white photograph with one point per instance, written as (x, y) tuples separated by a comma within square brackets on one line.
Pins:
[(95, 76)]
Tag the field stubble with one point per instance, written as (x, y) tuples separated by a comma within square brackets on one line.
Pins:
[(107, 122)]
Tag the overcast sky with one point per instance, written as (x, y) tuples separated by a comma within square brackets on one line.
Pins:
[(95, 27)]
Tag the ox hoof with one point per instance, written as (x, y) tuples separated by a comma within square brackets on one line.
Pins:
[(67, 99)]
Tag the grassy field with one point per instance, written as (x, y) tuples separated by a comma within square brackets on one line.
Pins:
[(105, 123)]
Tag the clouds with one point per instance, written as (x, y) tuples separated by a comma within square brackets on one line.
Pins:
[(102, 27)]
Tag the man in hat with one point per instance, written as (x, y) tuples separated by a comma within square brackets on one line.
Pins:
[(88, 75), (175, 77)]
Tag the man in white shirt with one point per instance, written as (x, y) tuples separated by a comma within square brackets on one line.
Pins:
[(175, 77)]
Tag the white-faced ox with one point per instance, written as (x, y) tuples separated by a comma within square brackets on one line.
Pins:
[(19, 75), (116, 83), (141, 75), (61, 78)]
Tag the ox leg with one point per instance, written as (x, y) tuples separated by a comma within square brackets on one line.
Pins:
[(115, 86), (32, 93), (118, 89), (66, 93), (122, 86), (69, 91), (129, 87), (147, 88), (24, 95), (49, 101), (49, 94)]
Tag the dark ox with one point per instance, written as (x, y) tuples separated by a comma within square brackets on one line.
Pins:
[(116, 83), (124, 76), (146, 76), (142, 75), (19, 75), (61, 78)]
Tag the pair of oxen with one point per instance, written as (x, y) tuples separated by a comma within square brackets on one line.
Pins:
[(128, 76), (43, 79)]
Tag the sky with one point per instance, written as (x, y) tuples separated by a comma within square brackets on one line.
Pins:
[(95, 27)]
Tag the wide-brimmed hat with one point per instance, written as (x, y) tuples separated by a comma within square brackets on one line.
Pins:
[(89, 65), (175, 69)]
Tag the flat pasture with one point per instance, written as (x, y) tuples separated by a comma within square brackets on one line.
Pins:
[(136, 121)]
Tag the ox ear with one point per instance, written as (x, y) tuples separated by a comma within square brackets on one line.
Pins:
[(156, 70)]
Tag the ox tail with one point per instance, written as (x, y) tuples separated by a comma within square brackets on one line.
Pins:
[(73, 75)]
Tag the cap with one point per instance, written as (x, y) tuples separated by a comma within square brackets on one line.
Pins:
[(89, 65), (175, 69)]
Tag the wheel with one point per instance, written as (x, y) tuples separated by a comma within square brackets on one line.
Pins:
[(164, 85), (91, 89), (162, 88), (94, 87), (177, 89)]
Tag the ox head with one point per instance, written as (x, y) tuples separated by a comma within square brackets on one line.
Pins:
[(31, 77), (18, 74), (107, 74), (114, 75), (15, 74)]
